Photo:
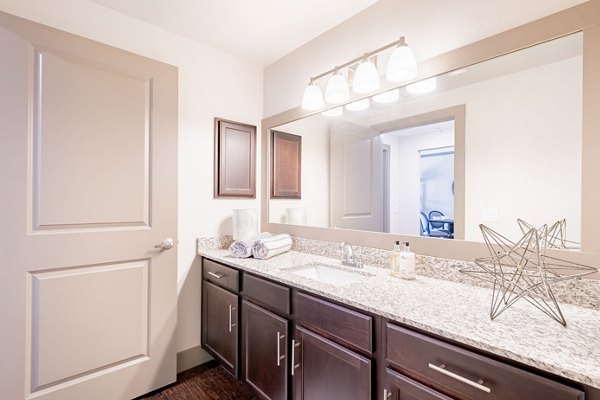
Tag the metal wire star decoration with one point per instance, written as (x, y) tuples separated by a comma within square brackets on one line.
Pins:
[(522, 270), (553, 237)]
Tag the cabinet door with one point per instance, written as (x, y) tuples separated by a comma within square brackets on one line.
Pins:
[(264, 337), (326, 370), (400, 387), (219, 325)]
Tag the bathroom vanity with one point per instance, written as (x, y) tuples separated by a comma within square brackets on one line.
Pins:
[(295, 337)]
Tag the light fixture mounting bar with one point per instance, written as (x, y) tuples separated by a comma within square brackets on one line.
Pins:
[(357, 59)]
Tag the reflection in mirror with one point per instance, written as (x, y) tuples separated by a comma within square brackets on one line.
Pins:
[(405, 166)]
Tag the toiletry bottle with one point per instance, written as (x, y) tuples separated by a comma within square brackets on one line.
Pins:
[(395, 259), (407, 263)]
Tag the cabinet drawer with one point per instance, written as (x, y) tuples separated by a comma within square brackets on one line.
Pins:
[(465, 374), (401, 387), (347, 325), (273, 296), (221, 275)]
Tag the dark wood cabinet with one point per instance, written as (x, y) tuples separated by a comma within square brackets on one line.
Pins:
[(219, 325), (464, 374), (339, 352), (265, 338), (400, 387), (326, 370)]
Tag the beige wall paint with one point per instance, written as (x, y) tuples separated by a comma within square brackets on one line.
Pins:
[(431, 28), (211, 83)]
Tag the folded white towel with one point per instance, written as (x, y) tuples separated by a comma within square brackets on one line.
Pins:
[(269, 247), (243, 248)]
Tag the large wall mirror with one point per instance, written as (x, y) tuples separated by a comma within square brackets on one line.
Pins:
[(487, 141), (394, 166)]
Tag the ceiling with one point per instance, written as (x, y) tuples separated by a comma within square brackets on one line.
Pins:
[(261, 31)]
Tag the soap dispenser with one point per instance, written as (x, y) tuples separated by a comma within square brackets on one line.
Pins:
[(395, 259), (406, 269)]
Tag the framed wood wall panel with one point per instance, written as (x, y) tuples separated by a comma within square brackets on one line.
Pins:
[(235, 159), (286, 166)]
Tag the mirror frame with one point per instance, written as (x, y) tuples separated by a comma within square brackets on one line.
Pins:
[(581, 18)]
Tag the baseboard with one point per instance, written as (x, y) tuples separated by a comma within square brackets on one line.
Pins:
[(191, 358)]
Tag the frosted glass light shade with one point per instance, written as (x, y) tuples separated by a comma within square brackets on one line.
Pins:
[(358, 105), (334, 112), (366, 78), (245, 223), (424, 86), (402, 65), (337, 89), (387, 97), (313, 98)]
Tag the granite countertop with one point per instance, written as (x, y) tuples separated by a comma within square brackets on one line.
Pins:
[(453, 310)]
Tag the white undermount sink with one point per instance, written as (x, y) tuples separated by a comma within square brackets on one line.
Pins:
[(329, 274)]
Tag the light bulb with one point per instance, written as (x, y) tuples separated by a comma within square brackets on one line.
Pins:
[(337, 89), (313, 98), (387, 97), (424, 86), (366, 78), (402, 65)]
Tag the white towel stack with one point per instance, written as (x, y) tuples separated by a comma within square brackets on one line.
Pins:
[(272, 246), (243, 248)]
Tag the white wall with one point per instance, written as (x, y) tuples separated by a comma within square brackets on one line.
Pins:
[(315, 173), (405, 174), (211, 84), (431, 27)]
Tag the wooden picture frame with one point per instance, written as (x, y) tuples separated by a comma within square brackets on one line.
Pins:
[(235, 159), (286, 165)]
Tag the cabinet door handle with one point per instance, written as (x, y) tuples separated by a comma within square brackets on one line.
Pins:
[(279, 356), (215, 275), (231, 309), (294, 365), (478, 385), (386, 394)]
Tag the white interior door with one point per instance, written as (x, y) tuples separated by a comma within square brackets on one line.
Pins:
[(356, 158), (88, 163)]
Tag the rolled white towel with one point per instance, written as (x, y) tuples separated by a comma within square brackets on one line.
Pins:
[(269, 247), (243, 248)]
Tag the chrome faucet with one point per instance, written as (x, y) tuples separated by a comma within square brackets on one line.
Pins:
[(348, 257)]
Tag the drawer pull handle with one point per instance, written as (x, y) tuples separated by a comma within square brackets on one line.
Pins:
[(231, 308), (279, 356), (215, 275), (294, 365), (478, 385)]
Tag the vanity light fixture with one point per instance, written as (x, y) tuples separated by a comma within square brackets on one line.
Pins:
[(313, 97), (424, 86), (363, 73), (333, 112), (337, 89), (402, 65), (358, 105), (366, 77), (387, 97)]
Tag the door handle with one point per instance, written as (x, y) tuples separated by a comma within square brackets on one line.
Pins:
[(294, 365), (442, 370), (279, 356), (231, 325), (166, 244)]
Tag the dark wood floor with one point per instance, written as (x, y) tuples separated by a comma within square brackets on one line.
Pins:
[(206, 382)]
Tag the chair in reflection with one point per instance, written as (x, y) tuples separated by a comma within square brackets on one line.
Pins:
[(426, 230)]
